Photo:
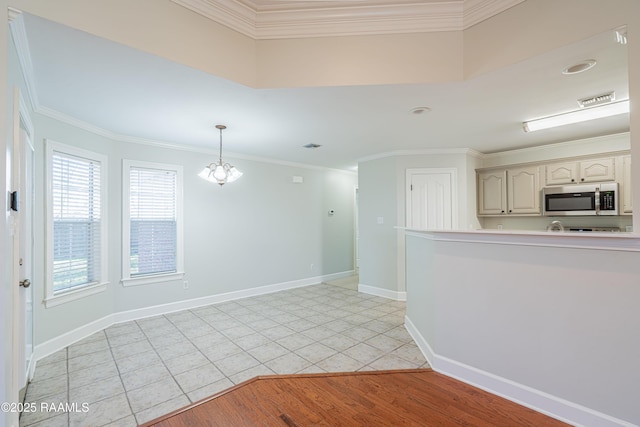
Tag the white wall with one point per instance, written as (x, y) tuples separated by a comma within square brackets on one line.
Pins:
[(634, 95), (553, 327), (378, 199), (382, 187), (260, 230), (6, 278)]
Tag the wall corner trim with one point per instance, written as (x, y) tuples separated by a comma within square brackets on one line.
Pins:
[(553, 406), (384, 293)]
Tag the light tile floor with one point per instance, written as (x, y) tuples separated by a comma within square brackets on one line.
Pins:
[(136, 371)]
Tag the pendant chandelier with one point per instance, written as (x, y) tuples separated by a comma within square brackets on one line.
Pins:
[(220, 172)]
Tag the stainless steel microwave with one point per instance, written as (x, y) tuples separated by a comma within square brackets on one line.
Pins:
[(581, 199)]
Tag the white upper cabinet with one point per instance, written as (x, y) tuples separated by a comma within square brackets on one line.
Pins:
[(598, 170), (562, 173), (492, 192), (581, 171), (512, 191), (516, 189), (523, 190)]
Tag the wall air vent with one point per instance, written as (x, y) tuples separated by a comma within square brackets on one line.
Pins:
[(597, 100)]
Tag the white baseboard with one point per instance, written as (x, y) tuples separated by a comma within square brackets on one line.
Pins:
[(420, 341), (68, 338), (61, 341), (384, 293), (31, 368), (336, 276), (537, 400)]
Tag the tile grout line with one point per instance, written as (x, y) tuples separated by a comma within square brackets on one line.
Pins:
[(119, 376), (288, 308), (68, 383), (163, 364)]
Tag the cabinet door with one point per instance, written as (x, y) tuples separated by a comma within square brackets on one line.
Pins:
[(561, 173), (627, 197), (523, 190), (492, 193), (597, 170)]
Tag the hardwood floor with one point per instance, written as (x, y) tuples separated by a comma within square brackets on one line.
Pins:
[(377, 398)]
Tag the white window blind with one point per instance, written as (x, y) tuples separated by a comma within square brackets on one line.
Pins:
[(152, 221), (76, 194)]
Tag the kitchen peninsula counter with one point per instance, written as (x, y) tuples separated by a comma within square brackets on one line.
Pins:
[(548, 319), (624, 241)]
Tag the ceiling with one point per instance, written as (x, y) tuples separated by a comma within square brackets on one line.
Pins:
[(134, 96)]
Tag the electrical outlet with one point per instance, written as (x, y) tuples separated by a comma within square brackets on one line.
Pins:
[(185, 284)]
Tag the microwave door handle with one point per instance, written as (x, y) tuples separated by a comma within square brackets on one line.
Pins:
[(597, 201)]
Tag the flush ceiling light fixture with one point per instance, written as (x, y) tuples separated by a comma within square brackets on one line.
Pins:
[(420, 110), (577, 116), (580, 67), (220, 172)]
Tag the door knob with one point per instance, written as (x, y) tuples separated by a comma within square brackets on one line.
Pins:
[(25, 283)]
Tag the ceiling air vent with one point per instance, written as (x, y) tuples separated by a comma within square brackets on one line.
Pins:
[(597, 100), (312, 146)]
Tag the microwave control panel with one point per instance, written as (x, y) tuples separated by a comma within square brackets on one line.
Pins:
[(607, 200)]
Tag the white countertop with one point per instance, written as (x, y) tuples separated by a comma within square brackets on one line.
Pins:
[(621, 241)]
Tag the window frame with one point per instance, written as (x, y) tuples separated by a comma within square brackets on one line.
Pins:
[(52, 298), (147, 279)]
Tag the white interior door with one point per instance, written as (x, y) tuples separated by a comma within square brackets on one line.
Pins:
[(26, 248), (22, 185), (431, 199)]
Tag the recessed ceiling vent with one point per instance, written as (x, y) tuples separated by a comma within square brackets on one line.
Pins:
[(312, 146), (597, 100)]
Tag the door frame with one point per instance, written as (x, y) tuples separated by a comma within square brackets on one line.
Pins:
[(21, 119), (452, 172), (356, 232)]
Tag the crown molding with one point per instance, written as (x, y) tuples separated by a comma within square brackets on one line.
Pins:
[(19, 35), (622, 139), (350, 20), (96, 130), (422, 152), (476, 11), (13, 13)]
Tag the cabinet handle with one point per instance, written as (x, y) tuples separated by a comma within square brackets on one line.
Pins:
[(573, 180), (501, 211), (581, 179), (510, 211)]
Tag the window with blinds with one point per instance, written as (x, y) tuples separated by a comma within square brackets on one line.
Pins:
[(152, 221), (77, 215)]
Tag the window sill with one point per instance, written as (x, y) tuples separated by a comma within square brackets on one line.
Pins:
[(74, 294), (151, 279)]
